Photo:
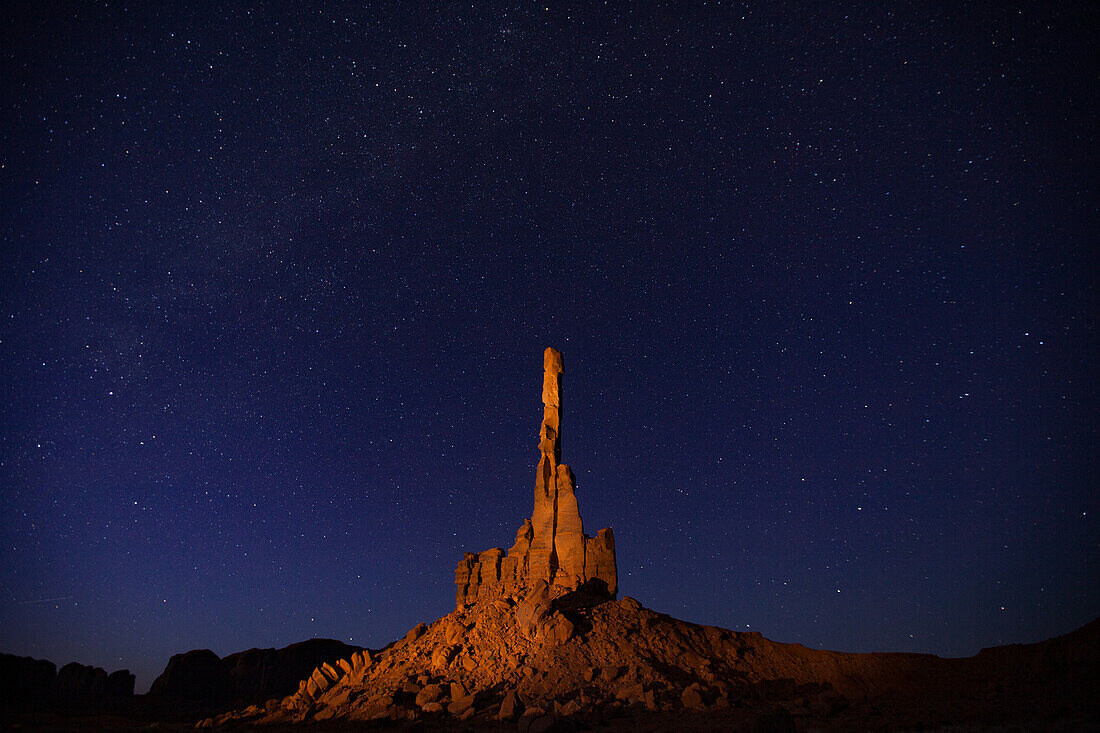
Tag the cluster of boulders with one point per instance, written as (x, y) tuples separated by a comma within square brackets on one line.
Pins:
[(327, 674), (27, 682)]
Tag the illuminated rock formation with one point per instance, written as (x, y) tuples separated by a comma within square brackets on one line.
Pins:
[(551, 546)]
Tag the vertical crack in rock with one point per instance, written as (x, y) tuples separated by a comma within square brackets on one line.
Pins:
[(551, 546)]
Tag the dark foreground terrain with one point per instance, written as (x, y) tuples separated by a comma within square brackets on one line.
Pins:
[(589, 663)]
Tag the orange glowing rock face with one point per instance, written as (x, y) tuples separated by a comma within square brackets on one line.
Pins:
[(550, 546)]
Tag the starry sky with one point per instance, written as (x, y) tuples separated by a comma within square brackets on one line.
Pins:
[(276, 279)]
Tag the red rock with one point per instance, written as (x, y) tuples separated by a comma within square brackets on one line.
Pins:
[(510, 707), (459, 705), (429, 693), (454, 633), (532, 609), (692, 697), (630, 693), (551, 546), (442, 657)]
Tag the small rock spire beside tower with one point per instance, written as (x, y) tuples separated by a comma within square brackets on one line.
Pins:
[(551, 545)]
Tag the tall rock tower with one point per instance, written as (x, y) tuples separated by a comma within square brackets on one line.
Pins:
[(551, 545)]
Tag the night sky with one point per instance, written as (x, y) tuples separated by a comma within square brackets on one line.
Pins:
[(276, 283)]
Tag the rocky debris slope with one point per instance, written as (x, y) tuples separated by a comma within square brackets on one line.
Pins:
[(586, 659), (551, 546), (201, 677)]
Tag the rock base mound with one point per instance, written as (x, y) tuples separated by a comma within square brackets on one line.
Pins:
[(538, 664)]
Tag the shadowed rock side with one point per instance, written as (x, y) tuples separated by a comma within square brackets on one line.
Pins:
[(551, 546), (256, 675), (30, 683), (595, 661)]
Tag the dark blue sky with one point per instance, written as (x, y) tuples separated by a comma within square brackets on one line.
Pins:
[(276, 282)]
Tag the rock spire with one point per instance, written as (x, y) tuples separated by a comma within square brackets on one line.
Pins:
[(551, 546)]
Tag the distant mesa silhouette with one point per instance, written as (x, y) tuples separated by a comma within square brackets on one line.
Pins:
[(253, 676), (27, 683)]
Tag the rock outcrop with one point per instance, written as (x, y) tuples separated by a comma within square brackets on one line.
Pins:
[(26, 681), (551, 546), (252, 676), (35, 683)]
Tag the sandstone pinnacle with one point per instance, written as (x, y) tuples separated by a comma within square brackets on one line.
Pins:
[(551, 546)]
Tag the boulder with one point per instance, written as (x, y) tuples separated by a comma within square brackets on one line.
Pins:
[(459, 705), (692, 697), (330, 671), (510, 707), (630, 693), (429, 694), (567, 709), (320, 679), (454, 633), (557, 628), (442, 657), (530, 611)]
